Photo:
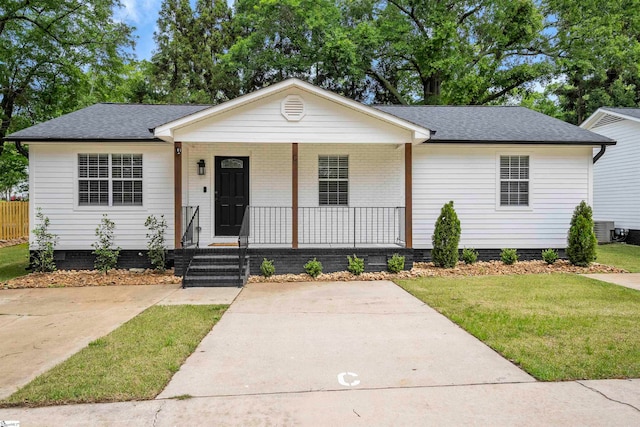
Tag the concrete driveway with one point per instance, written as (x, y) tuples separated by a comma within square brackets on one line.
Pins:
[(302, 337), (40, 328), (356, 353)]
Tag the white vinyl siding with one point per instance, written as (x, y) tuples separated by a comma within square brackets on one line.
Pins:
[(559, 180), (54, 187), (616, 176), (324, 122)]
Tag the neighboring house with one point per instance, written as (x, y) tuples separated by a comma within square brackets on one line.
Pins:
[(318, 174), (616, 176)]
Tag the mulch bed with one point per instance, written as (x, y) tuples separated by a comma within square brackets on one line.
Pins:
[(13, 242), (423, 269), (81, 278)]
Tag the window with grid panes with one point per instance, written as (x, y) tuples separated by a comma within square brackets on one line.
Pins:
[(93, 184), (514, 180), (126, 174), (333, 177), (110, 180)]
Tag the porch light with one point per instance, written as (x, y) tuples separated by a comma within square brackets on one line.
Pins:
[(201, 165)]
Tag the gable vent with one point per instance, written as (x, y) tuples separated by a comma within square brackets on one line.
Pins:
[(293, 108), (607, 120)]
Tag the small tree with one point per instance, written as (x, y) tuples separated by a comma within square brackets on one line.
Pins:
[(157, 244), (106, 254), (446, 237), (582, 242), (267, 268), (42, 260), (355, 265)]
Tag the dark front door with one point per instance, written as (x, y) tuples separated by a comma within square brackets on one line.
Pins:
[(231, 194)]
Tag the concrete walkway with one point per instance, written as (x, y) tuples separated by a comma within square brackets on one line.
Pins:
[(355, 353), (629, 280), (40, 328)]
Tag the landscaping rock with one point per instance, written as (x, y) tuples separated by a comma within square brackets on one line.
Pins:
[(13, 242), (81, 278), (423, 269)]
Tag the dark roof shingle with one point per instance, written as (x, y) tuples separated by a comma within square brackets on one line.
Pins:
[(482, 124), (107, 122), (500, 124)]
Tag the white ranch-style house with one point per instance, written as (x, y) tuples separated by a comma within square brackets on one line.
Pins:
[(616, 178), (292, 171)]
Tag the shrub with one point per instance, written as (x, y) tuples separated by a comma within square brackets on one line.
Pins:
[(42, 261), (313, 268), (509, 256), (550, 256), (157, 244), (395, 264), (446, 237), (356, 265), (267, 268), (582, 243), (106, 254), (469, 255)]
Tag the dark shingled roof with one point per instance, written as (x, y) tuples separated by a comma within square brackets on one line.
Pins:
[(499, 124), (107, 122), (468, 124), (627, 111)]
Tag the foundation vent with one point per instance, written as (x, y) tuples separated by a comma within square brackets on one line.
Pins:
[(293, 108)]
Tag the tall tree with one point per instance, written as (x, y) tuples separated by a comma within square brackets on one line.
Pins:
[(14, 170), (190, 42), (456, 52), (394, 51), (46, 46), (597, 45), (308, 39)]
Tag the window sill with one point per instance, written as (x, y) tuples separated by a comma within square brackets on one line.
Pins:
[(107, 209)]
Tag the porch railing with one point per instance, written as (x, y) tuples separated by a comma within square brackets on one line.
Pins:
[(341, 225), (243, 243), (191, 237)]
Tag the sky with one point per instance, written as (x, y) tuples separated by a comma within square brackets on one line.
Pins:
[(141, 14)]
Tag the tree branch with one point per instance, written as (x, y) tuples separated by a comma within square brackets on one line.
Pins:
[(388, 86), (21, 149)]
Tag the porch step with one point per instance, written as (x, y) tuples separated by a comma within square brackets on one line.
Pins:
[(211, 268)]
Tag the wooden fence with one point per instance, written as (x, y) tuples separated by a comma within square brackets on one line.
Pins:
[(14, 220)]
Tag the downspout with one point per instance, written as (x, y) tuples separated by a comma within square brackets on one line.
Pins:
[(600, 153)]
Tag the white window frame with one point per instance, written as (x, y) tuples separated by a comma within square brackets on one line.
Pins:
[(111, 206), (338, 180), (529, 206)]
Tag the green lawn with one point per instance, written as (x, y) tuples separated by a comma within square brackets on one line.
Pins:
[(13, 261), (620, 255), (556, 327), (134, 362)]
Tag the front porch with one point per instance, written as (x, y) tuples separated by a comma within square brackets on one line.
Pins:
[(291, 168), (329, 234), (317, 227)]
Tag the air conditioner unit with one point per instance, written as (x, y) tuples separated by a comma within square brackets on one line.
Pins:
[(603, 230)]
